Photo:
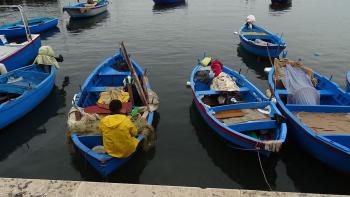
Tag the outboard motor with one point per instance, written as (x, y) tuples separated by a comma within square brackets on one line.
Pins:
[(250, 20)]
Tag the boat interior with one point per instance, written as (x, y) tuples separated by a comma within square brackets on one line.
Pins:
[(249, 115), (106, 77), (259, 36), (16, 83)]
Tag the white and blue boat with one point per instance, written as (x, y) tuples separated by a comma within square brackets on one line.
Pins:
[(17, 55), (85, 10), (261, 42), (22, 90), (35, 25), (104, 75), (321, 129), (242, 123)]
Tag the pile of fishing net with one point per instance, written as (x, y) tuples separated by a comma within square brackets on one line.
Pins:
[(298, 81)]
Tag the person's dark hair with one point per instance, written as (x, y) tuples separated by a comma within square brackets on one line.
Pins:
[(115, 106)]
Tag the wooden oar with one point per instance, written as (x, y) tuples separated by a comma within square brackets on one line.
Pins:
[(139, 87)]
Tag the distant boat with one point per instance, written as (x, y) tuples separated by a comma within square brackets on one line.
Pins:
[(348, 82), (84, 10), (246, 123), (14, 55), (280, 1), (36, 25), (168, 1), (261, 42), (321, 129), (104, 75), (22, 90)]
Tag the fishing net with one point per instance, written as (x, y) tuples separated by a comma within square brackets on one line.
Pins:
[(223, 82), (299, 86)]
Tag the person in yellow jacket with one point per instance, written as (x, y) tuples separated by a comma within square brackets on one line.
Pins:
[(118, 132)]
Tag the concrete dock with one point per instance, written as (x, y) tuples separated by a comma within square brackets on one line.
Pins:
[(38, 187)]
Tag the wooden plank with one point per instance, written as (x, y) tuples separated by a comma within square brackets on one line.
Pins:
[(229, 114)]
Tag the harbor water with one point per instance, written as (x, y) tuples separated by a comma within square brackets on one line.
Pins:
[(168, 41)]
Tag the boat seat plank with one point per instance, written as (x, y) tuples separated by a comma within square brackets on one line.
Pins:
[(240, 106), (322, 92), (211, 92), (97, 89), (254, 125), (110, 71), (318, 108), (14, 89)]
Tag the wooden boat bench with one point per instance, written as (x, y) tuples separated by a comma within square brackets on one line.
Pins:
[(212, 92), (14, 89), (283, 92), (252, 125)]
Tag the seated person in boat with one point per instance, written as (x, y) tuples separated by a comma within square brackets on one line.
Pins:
[(118, 132)]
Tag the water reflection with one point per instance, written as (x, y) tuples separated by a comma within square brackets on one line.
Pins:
[(279, 7), (253, 62), (159, 8), (49, 33), (309, 174), (18, 134), (78, 25), (241, 166)]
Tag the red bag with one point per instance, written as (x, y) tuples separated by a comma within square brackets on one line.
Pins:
[(216, 67)]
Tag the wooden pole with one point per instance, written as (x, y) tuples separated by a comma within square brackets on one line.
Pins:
[(139, 87)]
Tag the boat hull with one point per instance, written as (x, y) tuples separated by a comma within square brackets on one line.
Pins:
[(76, 12), (23, 56), (17, 108), (39, 25)]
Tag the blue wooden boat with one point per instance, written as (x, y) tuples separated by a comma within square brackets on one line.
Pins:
[(261, 42), (168, 1), (253, 134), (22, 90), (85, 10), (103, 163), (103, 76), (35, 25), (348, 82), (327, 143)]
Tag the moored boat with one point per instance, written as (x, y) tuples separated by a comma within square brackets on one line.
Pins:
[(316, 110), (168, 1), (85, 10), (22, 90), (251, 121), (35, 25), (259, 41), (110, 74), (17, 55)]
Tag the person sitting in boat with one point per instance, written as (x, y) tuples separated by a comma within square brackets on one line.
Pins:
[(118, 132), (250, 21), (46, 58)]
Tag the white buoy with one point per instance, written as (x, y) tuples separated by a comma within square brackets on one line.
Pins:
[(267, 69), (3, 69), (188, 84)]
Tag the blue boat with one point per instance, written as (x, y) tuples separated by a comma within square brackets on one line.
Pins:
[(322, 130), (168, 1), (103, 163), (255, 133), (348, 82), (85, 10), (36, 25), (17, 55), (22, 90), (261, 42), (104, 75)]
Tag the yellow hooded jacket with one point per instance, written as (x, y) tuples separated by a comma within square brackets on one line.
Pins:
[(118, 134)]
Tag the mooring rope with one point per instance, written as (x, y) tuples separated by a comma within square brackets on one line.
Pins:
[(261, 167)]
